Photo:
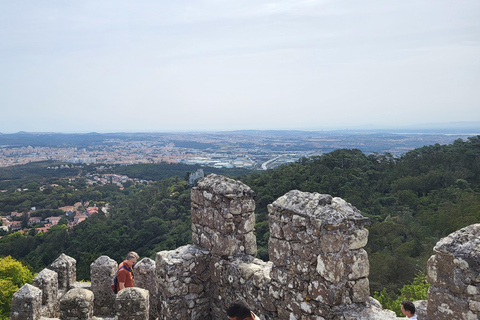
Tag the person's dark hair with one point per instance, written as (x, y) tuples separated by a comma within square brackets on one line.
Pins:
[(409, 306), (239, 309)]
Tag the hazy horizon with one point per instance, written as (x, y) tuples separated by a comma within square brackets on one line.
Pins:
[(210, 65), (462, 128)]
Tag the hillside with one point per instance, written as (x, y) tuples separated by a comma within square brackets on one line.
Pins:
[(412, 202)]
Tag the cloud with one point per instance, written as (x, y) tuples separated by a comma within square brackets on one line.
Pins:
[(244, 64)]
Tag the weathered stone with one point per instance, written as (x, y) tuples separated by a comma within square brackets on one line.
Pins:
[(454, 274), (132, 304), (358, 239), (361, 290), (421, 309), (77, 304), (225, 211), (47, 281), (224, 245), (359, 264), (318, 269), (278, 250), (442, 304), (26, 303), (332, 242), (330, 268), (102, 272), (247, 224), (66, 268), (250, 244), (145, 278)]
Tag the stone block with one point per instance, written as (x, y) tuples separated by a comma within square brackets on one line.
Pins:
[(26, 303), (132, 304), (77, 304), (145, 278), (47, 281), (66, 268), (361, 290), (331, 268), (359, 264), (358, 239), (278, 251), (102, 272)]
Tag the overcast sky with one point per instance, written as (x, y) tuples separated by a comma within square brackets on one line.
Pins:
[(107, 66)]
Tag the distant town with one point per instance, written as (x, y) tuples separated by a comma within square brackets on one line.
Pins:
[(259, 150), (255, 150)]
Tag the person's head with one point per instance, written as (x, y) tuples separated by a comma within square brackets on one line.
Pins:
[(239, 310), (132, 258), (408, 308)]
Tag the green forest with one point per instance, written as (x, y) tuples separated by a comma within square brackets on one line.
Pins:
[(412, 201)]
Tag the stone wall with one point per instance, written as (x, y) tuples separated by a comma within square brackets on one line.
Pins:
[(184, 283), (454, 272), (318, 268), (48, 299), (223, 217)]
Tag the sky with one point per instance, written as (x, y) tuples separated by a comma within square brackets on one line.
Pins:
[(209, 65)]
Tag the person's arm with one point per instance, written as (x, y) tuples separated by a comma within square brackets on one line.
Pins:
[(121, 279)]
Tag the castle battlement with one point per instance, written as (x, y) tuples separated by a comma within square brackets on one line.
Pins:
[(318, 268)]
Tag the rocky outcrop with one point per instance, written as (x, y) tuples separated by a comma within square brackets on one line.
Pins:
[(454, 272)]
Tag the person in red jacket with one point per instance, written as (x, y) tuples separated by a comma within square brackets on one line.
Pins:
[(125, 271)]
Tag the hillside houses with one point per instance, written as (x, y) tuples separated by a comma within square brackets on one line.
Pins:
[(80, 217), (16, 220), (34, 220), (54, 220)]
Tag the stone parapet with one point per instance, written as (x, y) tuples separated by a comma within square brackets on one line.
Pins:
[(47, 281), (26, 303), (318, 268), (223, 217), (146, 278), (66, 268), (454, 273), (102, 272), (315, 246), (183, 283), (244, 278), (77, 304), (132, 304)]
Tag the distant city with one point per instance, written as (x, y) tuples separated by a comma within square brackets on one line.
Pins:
[(259, 150)]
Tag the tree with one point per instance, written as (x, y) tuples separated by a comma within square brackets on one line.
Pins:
[(13, 275), (417, 290)]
